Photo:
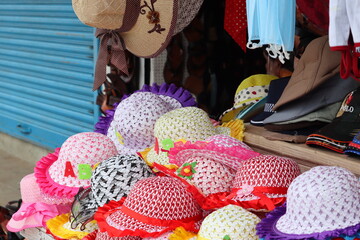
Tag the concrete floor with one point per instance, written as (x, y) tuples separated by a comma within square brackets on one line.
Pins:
[(12, 170)]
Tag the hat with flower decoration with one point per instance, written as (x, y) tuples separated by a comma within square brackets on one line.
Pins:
[(130, 125), (64, 176), (261, 183), (190, 124), (154, 206), (33, 212), (322, 203)]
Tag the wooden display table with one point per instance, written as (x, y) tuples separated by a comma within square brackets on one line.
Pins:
[(306, 156)]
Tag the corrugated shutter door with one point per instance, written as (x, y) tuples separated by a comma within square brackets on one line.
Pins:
[(46, 71)]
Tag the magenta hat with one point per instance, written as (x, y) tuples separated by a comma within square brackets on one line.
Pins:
[(130, 125), (33, 211), (79, 153)]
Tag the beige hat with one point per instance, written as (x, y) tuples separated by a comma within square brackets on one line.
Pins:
[(316, 66)]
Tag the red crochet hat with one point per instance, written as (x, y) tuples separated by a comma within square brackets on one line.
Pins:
[(154, 206), (261, 182)]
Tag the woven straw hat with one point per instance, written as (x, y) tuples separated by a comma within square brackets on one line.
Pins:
[(146, 27), (221, 148), (322, 203), (131, 124), (261, 182), (33, 212), (62, 177), (189, 123), (154, 206), (97, 235), (250, 91), (230, 222)]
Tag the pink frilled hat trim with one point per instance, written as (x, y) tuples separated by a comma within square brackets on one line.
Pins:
[(46, 183), (229, 156)]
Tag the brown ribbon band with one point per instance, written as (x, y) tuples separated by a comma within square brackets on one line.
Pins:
[(112, 47)]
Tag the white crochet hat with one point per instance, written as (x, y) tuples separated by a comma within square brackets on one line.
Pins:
[(188, 123), (130, 125), (322, 203), (229, 222)]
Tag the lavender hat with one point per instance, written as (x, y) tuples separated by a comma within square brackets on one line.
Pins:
[(130, 125), (322, 203)]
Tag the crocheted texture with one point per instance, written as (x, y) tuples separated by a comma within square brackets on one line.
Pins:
[(132, 128), (207, 175), (320, 200), (154, 206), (189, 123), (60, 227), (187, 10), (87, 148), (36, 234), (165, 236), (231, 221), (265, 171), (114, 178), (220, 148), (105, 236)]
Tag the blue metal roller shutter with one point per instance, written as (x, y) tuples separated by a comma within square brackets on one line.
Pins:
[(46, 72)]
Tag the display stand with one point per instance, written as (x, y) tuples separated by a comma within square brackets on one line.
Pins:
[(306, 156)]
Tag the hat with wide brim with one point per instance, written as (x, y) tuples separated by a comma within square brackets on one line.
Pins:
[(146, 27)]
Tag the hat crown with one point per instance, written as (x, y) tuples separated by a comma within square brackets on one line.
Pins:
[(209, 176), (190, 123), (267, 171), (106, 14), (225, 141), (327, 196), (87, 148), (231, 220), (114, 177), (162, 198), (30, 191), (134, 120)]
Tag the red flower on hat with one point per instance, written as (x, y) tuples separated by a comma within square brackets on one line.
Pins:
[(187, 170)]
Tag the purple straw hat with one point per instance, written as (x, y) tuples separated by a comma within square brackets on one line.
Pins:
[(130, 125), (322, 203)]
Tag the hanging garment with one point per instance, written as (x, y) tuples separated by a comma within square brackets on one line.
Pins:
[(344, 34), (235, 22), (272, 23)]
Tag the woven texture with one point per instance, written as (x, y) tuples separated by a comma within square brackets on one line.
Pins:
[(266, 171), (221, 148), (114, 178), (232, 221), (165, 236), (36, 234), (156, 198), (82, 148), (321, 199), (105, 236), (207, 175), (189, 123), (187, 10), (132, 128)]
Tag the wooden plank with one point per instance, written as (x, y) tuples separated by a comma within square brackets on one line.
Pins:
[(305, 155)]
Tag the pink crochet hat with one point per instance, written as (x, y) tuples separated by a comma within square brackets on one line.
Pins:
[(33, 211), (130, 125), (261, 182), (72, 170), (154, 206), (323, 203), (221, 148)]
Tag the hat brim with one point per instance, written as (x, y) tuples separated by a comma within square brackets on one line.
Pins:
[(149, 40), (46, 183), (253, 110), (267, 228), (36, 233)]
